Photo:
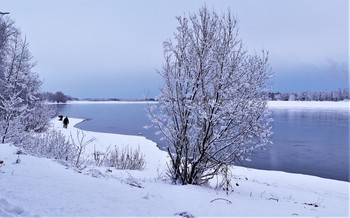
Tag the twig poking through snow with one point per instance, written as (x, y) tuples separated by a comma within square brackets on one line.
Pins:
[(316, 204), (185, 214), (132, 182), (273, 197), (223, 199)]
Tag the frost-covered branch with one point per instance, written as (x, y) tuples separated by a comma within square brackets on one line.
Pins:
[(212, 110), (19, 87), (79, 142)]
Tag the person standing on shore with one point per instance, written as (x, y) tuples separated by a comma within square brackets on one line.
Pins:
[(65, 122)]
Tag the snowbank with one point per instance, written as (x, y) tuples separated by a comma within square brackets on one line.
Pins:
[(43, 187)]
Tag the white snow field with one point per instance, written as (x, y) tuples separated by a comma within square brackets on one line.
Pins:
[(44, 187)]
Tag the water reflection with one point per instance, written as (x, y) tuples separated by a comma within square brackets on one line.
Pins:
[(314, 142)]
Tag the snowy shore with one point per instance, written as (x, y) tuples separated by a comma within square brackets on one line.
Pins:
[(43, 187)]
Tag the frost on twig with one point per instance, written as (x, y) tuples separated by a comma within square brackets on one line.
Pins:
[(226, 180), (80, 144)]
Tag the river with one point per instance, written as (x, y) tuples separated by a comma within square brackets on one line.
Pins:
[(306, 141)]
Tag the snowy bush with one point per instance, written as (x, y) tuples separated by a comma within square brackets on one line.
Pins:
[(50, 144), (125, 158), (54, 144), (212, 109), (39, 118)]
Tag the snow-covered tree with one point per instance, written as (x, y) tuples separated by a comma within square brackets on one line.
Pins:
[(19, 86), (292, 97), (55, 97), (212, 110)]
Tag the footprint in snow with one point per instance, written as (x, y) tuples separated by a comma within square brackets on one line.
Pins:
[(9, 210)]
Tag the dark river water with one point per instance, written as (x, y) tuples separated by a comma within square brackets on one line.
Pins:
[(306, 141)]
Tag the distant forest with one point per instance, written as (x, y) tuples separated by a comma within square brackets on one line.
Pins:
[(58, 97), (340, 95)]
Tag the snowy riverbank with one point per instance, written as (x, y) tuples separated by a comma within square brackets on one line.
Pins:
[(43, 187)]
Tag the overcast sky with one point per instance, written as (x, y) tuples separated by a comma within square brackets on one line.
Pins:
[(111, 48)]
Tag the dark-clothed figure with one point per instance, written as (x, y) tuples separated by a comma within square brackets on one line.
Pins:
[(65, 122)]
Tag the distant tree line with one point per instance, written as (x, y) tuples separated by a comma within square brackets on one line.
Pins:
[(58, 97), (340, 95), (116, 99), (100, 99)]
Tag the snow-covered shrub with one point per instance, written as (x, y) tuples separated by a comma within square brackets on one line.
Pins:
[(50, 144), (212, 109), (39, 118), (125, 158)]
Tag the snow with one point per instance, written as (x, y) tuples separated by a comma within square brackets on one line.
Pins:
[(339, 105), (44, 187)]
